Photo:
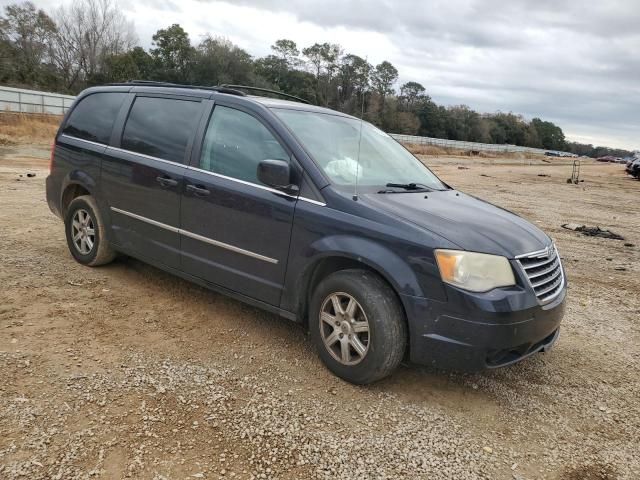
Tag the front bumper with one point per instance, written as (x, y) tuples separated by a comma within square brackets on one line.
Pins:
[(474, 332)]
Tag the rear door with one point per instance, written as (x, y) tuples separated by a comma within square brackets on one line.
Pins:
[(235, 230), (85, 135), (143, 174)]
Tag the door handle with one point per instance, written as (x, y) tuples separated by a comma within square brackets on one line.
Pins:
[(198, 191), (166, 181)]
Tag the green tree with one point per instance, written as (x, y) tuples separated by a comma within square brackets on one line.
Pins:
[(323, 61), (287, 51), (433, 118), (507, 128), (410, 92), (383, 77), (284, 59), (26, 36), (271, 70), (550, 135), (316, 55), (136, 64), (143, 62), (173, 54), (466, 125), (6, 52), (353, 80), (400, 121), (218, 61), (531, 138)]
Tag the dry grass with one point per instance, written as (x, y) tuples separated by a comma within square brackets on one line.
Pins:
[(427, 149), (21, 128), (434, 151)]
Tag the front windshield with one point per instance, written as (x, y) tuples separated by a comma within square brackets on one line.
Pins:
[(333, 142)]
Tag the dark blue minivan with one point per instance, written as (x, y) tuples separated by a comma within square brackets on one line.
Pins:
[(308, 213)]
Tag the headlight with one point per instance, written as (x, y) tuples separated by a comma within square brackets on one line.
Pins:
[(477, 272)]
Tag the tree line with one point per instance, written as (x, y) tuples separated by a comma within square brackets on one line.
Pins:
[(90, 42)]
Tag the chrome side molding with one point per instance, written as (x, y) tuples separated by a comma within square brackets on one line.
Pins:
[(195, 236)]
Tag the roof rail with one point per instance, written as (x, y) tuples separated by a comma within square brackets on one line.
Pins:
[(265, 90), (152, 83), (225, 88)]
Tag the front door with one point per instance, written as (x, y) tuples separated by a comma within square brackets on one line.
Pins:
[(235, 231), (142, 176)]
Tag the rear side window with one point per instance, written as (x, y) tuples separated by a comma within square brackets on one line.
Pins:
[(160, 127), (236, 142), (92, 119)]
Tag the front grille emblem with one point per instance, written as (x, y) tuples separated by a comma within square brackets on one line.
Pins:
[(543, 253), (544, 273)]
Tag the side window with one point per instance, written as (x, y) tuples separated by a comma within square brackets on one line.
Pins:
[(160, 127), (92, 119), (235, 143)]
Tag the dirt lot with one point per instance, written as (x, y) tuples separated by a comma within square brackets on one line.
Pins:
[(125, 371)]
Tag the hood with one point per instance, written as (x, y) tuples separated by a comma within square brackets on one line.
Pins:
[(470, 223)]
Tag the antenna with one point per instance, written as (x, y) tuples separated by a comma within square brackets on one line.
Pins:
[(355, 191)]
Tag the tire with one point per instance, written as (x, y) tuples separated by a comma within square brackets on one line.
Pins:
[(385, 339), (100, 252)]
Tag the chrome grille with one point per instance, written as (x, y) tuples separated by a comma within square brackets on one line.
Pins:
[(544, 271)]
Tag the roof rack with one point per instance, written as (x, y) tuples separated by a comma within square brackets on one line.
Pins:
[(152, 83), (265, 90)]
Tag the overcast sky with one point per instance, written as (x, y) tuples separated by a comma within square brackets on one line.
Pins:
[(575, 63)]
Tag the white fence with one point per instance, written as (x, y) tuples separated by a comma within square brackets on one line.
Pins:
[(485, 147), (32, 101)]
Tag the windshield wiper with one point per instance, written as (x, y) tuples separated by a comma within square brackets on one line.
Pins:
[(414, 187)]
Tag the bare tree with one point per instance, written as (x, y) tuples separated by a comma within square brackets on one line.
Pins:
[(89, 31)]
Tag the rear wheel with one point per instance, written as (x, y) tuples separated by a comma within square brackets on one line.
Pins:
[(86, 233), (357, 326)]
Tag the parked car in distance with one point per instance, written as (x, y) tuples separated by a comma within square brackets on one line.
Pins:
[(308, 213), (632, 166)]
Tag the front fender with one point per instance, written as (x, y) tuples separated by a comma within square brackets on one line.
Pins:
[(373, 254), (405, 275)]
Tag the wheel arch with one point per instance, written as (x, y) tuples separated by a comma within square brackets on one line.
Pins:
[(70, 192), (392, 269), (75, 184)]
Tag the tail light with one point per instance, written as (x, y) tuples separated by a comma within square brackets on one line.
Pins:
[(53, 152)]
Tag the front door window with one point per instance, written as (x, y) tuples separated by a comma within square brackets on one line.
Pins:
[(235, 143)]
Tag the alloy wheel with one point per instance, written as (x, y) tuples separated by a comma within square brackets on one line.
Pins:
[(83, 231), (344, 328)]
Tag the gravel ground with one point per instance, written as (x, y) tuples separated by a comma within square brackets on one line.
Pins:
[(126, 371)]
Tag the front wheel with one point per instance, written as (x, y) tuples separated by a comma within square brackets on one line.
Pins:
[(358, 326)]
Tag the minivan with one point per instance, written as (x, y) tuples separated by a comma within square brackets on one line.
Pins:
[(308, 213)]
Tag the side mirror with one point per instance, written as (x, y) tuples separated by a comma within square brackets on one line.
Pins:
[(276, 174)]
